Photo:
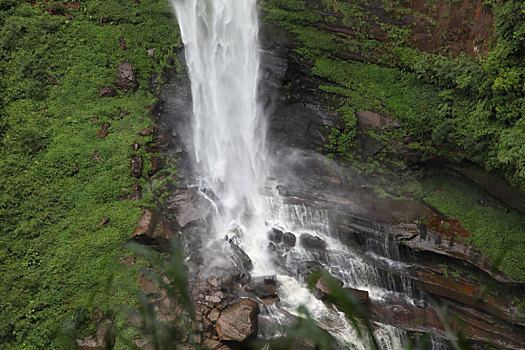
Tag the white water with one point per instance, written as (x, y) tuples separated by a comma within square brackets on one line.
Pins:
[(222, 54), (220, 38)]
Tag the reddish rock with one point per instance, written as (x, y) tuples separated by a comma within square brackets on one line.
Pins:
[(149, 130), (125, 77), (146, 224), (136, 166), (52, 80), (104, 221), (103, 131), (239, 321), (321, 288), (107, 92)]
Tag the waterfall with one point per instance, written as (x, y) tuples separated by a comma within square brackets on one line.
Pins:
[(222, 54)]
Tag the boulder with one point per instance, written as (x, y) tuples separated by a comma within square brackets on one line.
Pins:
[(240, 259), (263, 289), (238, 322), (321, 289), (289, 239), (311, 242), (275, 235), (125, 77)]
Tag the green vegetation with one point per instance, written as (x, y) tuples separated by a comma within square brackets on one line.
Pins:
[(59, 178), (468, 108), (497, 232)]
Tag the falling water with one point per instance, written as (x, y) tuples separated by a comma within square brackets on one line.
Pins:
[(222, 56)]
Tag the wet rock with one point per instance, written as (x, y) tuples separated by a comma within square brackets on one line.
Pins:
[(107, 92), (311, 242), (322, 289), (360, 295), (188, 206), (136, 166), (289, 239), (149, 130), (125, 77), (275, 235), (307, 267), (104, 221), (240, 259), (146, 224), (103, 131), (239, 321), (263, 289)]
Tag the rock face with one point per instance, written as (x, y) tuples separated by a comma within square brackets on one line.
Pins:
[(188, 206), (125, 77), (239, 321)]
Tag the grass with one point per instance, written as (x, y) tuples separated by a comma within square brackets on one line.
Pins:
[(57, 264)]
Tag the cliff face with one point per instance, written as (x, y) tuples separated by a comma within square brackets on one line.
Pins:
[(433, 26)]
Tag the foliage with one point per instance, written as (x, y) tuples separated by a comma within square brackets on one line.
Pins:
[(497, 232), (57, 263)]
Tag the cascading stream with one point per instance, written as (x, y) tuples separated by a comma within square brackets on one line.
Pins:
[(222, 56)]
